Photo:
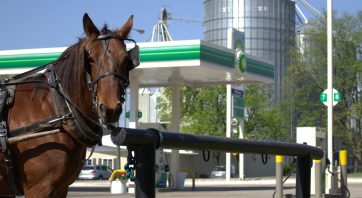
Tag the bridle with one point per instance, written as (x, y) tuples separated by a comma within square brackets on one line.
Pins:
[(68, 113), (124, 80)]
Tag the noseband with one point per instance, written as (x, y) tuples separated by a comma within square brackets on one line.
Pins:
[(124, 81)]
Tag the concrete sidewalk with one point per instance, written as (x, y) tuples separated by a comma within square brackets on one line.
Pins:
[(188, 182), (208, 182)]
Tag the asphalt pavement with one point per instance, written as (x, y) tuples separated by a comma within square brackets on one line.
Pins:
[(204, 188)]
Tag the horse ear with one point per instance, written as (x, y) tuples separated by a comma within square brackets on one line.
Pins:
[(89, 27), (126, 28)]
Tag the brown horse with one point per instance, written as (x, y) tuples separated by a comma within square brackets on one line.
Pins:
[(83, 87)]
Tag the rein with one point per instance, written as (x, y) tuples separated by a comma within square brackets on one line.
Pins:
[(70, 114), (73, 111)]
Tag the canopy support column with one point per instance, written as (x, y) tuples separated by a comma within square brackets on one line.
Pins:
[(175, 122), (134, 88)]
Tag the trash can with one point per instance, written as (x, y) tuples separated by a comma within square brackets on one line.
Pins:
[(162, 180), (118, 187), (181, 180)]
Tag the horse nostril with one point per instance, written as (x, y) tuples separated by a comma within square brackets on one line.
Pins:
[(109, 115)]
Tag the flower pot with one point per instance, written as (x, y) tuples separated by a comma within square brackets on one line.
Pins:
[(118, 187)]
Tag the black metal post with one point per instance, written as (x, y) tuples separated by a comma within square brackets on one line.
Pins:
[(118, 162), (303, 176), (145, 171)]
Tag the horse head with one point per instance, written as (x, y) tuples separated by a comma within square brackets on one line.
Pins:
[(108, 64), (94, 72)]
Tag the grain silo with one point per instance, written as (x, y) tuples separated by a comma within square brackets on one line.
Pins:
[(269, 27)]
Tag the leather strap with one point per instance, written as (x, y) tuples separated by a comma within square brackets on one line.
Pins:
[(51, 122)]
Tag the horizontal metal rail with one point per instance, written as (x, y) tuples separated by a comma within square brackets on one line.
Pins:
[(134, 137), (144, 143)]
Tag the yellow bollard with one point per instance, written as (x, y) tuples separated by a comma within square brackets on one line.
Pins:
[(318, 178), (343, 157), (343, 166), (279, 176)]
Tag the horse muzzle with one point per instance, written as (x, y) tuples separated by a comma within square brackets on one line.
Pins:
[(109, 115)]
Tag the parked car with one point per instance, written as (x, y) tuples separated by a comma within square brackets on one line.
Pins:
[(95, 172), (218, 172)]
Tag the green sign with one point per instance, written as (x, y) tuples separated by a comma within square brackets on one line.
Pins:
[(139, 114), (323, 98), (337, 97), (238, 106)]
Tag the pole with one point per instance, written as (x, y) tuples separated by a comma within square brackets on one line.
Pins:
[(241, 155), (329, 184), (118, 162), (343, 164), (303, 176), (318, 178), (145, 171), (134, 99), (228, 128), (279, 176), (175, 156)]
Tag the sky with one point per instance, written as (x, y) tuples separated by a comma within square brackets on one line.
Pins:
[(26, 24)]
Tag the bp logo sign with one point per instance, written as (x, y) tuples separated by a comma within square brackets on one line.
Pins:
[(240, 57), (241, 60)]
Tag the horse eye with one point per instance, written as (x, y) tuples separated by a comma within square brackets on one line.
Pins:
[(88, 63), (91, 60)]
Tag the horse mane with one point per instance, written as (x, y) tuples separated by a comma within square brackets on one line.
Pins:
[(71, 67), (71, 70)]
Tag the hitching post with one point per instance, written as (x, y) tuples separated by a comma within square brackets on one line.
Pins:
[(145, 171), (145, 142), (303, 176)]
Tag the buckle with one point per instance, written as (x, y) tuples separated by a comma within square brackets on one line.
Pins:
[(3, 129), (8, 162), (52, 79)]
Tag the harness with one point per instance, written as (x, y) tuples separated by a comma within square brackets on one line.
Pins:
[(68, 115)]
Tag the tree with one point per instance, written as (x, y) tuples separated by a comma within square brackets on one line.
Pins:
[(202, 109), (307, 79), (348, 70), (263, 121)]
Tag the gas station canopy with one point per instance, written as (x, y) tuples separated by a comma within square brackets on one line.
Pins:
[(190, 62), (195, 63), (174, 64)]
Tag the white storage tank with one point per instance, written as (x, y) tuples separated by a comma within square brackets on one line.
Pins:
[(269, 27)]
